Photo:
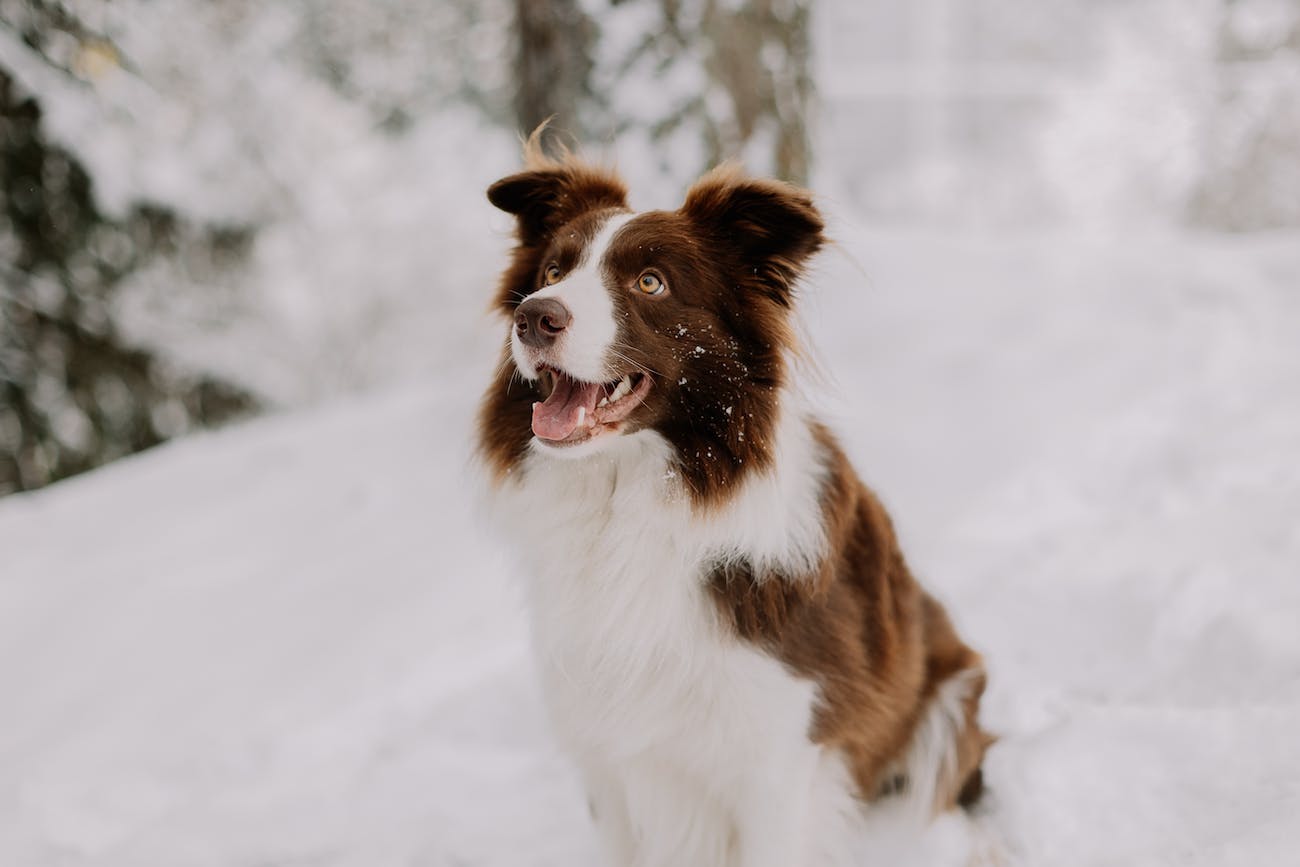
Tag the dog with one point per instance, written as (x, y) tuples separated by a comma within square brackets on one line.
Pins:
[(731, 647)]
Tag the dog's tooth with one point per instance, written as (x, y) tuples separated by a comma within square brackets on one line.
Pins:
[(582, 415), (604, 401)]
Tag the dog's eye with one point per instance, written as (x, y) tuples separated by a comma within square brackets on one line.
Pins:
[(552, 274), (650, 284)]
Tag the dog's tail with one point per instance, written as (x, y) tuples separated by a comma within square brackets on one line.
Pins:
[(913, 823), (942, 766), (941, 769)]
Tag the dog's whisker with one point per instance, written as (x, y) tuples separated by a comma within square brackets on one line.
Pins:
[(621, 356)]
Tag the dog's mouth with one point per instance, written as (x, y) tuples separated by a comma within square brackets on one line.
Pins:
[(575, 411)]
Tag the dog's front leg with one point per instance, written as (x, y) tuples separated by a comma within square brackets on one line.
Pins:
[(607, 801), (772, 813)]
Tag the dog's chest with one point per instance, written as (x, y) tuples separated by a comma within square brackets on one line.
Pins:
[(630, 646)]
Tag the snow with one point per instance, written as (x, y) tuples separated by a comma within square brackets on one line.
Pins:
[(317, 642), (292, 641)]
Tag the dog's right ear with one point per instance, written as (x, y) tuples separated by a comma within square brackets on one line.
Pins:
[(546, 198), (531, 197)]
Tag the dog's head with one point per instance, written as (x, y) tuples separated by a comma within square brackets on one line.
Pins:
[(673, 322)]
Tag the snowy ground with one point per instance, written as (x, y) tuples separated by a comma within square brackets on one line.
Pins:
[(290, 643)]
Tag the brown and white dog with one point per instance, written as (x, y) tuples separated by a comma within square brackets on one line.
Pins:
[(732, 648)]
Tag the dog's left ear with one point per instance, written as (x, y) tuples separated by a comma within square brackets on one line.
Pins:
[(547, 198), (774, 225)]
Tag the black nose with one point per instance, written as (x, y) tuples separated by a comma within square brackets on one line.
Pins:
[(538, 321)]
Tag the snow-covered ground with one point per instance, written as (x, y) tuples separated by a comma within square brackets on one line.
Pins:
[(291, 643)]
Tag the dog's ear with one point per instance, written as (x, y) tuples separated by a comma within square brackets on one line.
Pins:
[(544, 199), (775, 226)]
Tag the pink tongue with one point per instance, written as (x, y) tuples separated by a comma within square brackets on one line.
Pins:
[(557, 417)]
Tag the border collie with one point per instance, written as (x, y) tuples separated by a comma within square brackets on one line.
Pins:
[(731, 646)]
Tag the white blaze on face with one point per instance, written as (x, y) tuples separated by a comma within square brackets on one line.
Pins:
[(582, 351)]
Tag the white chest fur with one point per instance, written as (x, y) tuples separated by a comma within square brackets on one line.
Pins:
[(688, 738), (629, 643)]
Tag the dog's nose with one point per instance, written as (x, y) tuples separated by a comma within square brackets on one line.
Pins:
[(538, 321)]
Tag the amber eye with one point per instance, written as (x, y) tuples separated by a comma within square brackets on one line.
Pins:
[(650, 284), (552, 274)]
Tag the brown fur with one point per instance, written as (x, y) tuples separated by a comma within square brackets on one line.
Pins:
[(715, 346), (862, 628)]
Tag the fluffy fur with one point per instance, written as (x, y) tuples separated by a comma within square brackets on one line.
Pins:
[(732, 648)]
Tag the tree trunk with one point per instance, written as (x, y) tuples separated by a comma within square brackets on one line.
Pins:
[(736, 84), (553, 40), (759, 52)]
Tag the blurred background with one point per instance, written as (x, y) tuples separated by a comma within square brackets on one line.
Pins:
[(1060, 333), (210, 210)]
